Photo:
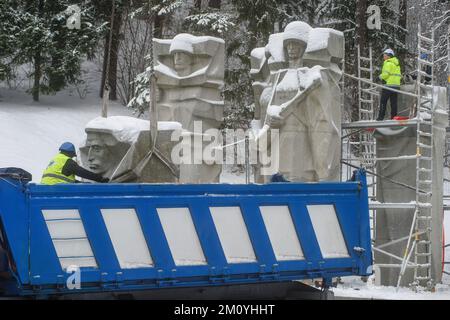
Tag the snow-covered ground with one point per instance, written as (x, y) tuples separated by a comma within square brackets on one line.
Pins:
[(31, 132), (355, 288)]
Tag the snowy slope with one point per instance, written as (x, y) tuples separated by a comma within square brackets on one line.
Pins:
[(30, 132)]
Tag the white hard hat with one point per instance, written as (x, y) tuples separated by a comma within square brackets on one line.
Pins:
[(389, 52)]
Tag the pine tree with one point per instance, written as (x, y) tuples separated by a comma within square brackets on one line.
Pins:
[(308, 11), (213, 22), (259, 17), (436, 19), (44, 40), (104, 11), (8, 40)]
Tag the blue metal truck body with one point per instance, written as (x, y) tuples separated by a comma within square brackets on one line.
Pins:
[(35, 266)]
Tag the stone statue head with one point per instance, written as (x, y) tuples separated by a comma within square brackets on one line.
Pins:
[(295, 41), (182, 63), (116, 147), (102, 152), (107, 142), (294, 49), (182, 51), (188, 60)]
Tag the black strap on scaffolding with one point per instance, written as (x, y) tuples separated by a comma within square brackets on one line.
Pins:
[(383, 177)]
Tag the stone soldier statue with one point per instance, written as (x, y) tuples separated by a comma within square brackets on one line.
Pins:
[(190, 76), (297, 92)]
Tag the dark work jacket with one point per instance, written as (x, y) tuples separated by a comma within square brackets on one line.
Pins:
[(71, 167)]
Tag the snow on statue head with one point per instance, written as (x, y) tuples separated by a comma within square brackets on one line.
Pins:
[(116, 146), (296, 91), (325, 48), (203, 59), (297, 30), (190, 75), (182, 50), (182, 42), (295, 40), (103, 150)]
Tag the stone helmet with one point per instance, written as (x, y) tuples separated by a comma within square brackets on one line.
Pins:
[(297, 30), (182, 43)]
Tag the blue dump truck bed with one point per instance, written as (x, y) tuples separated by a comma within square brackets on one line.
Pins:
[(92, 238)]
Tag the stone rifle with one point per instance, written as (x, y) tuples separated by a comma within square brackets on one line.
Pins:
[(290, 105)]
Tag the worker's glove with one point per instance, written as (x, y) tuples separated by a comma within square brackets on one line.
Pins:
[(105, 180)]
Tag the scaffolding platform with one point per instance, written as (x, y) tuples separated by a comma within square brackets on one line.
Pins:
[(372, 124)]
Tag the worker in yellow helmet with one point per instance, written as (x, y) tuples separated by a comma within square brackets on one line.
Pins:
[(391, 76), (62, 169)]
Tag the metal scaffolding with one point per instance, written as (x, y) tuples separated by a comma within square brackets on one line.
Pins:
[(366, 109), (421, 226), (360, 151), (447, 153)]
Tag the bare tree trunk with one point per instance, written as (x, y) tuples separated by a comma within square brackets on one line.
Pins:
[(159, 25), (37, 75), (112, 70), (105, 62), (56, 80), (361, 41), (114, 57), (361, 27), (38, 61), (214, 4)]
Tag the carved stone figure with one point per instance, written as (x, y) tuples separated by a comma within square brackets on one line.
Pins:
[(118, 148), (190, 75), (102, 152), (296, 91)]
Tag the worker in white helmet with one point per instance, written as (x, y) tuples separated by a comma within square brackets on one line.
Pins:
[(391, 76)]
